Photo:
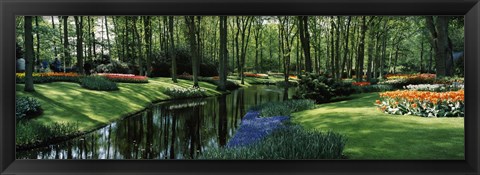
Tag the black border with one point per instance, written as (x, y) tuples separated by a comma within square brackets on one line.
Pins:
[(10, 8)]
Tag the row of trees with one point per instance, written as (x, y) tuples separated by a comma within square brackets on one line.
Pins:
[(341, 46)]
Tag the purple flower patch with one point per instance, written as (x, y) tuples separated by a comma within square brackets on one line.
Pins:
[(254, 128)]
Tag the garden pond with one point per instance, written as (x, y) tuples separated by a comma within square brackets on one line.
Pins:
[(177, 129)]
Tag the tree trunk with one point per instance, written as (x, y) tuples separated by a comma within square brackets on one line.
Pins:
[(223, 53), (439, 35), (190, 22), (361, 51), (94, 44), (172, 49), (89, 25), (66, 50), (305, 40), (148, 43), (337, 50), (139, 46), (28, 55), (345, 52), (421, 57), (54, 43), (37, 60), (108, 37), (79, 30)]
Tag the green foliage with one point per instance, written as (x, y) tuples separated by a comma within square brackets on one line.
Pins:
[(321, 89), (31, 132), (284, 108), (114, 66), (180, 92), (373, 88), (98, 83), (26, 107), (288, 143)]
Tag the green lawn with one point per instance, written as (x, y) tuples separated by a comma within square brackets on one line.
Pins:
[(372, 134), (68, 102)]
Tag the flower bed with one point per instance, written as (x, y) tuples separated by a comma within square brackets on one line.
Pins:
[(253, 128), (125, 78), (180, 92), (49, 77), (248, 74), (401, 80), (363, 83), (435, 87), (423, 103), (407, 76)]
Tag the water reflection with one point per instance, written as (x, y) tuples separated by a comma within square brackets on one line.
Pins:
[(179, 129)]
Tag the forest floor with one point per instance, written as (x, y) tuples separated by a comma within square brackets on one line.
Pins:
[(69, 102), (372, 134)]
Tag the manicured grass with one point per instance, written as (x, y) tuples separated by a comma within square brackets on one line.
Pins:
[(68, 102), (372, 134)]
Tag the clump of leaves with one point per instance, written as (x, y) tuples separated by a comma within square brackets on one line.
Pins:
[(26, 107), (98, 83)]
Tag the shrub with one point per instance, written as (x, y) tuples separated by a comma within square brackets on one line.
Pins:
[(373, 88), (423, 103), (26, 107), (289, 84), (180, 92), (284, 108), (98, 83), (286, 143), (31, 132), (321, 89), (114, 66)]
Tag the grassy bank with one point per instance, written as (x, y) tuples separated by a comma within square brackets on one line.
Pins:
[(68, 102), (372, 134)]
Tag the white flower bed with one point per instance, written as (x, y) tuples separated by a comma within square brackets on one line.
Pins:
[(435, 87)]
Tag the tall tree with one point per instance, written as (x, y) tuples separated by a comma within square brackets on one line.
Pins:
[(54, 44), (66, 50), (244, 24), (37, 29), (139, 46), (148, 42), (190, 22), (346, 50), (223, 53), (439, 41), (286, 33), (305, 41), (258, 42), (28, 55), (172, 49), (79, 31), (361, 50), (108, 36)]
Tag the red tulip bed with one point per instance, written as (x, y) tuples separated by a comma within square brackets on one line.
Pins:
[(125, 78)]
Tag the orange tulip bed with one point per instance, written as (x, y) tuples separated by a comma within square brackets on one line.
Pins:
[(423, 103)]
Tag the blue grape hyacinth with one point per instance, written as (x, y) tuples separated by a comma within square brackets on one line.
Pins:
[(253, 128)]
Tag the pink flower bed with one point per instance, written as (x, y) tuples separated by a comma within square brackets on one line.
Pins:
[(125, 78)]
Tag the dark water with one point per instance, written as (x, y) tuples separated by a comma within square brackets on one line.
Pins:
[(179, 129)]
